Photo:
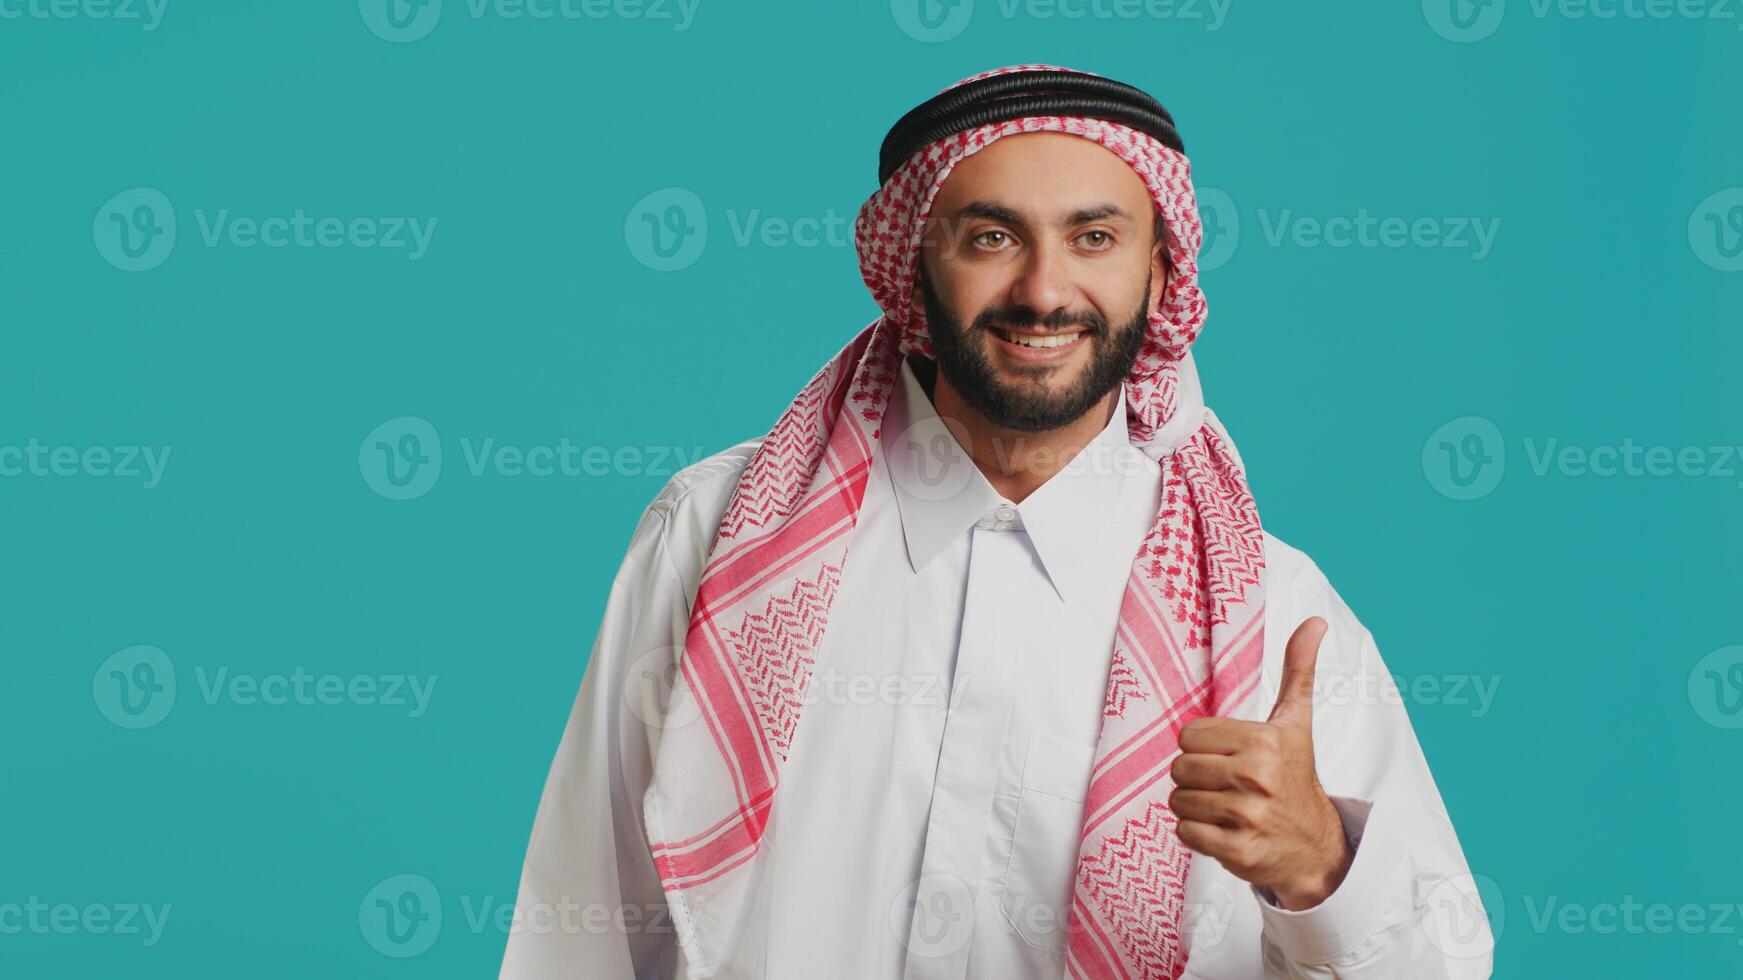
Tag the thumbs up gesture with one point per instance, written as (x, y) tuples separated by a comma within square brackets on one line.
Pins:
[(1247, 793)]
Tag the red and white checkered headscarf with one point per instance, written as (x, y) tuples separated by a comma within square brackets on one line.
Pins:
[(1191, 630)]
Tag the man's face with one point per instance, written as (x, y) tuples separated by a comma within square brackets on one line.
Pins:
[(1039, 269)]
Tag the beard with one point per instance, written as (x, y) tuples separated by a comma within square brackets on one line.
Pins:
[(1028, 405)]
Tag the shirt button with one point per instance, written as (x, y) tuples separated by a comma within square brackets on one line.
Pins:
[(1005, 512)]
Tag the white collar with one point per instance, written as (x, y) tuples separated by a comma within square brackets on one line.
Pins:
[(940, 493)]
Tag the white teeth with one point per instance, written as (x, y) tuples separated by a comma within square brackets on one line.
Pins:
[(1055, 340)]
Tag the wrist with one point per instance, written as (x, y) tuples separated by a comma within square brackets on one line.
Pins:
[(1318, 883)]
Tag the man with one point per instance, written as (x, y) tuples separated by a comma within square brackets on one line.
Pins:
[(979, 664)]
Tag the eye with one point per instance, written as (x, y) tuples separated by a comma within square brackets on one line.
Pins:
[(1097, 238), (994, 239)]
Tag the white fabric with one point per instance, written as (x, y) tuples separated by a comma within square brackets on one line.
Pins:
[(942, 758)]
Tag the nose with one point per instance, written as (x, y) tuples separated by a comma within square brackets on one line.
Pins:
[(1043, 283)]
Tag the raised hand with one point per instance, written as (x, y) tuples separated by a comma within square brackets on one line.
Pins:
[(1248, 795)]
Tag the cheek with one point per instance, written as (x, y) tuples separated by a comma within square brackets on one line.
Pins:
[(968, 289), (1118, 297)]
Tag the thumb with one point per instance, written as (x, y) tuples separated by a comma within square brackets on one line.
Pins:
[(1300, 657)]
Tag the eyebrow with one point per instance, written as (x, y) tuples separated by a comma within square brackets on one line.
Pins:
[(999, 212)]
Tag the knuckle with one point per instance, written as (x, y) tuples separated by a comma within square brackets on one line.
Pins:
[(1189, 835)]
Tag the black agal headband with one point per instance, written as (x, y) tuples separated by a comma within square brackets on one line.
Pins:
[(1042, 92)]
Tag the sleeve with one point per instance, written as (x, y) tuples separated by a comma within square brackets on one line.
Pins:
[(589, 903), (1409, 906)]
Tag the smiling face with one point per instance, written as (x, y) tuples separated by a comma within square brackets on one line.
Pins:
[(1040, 265)]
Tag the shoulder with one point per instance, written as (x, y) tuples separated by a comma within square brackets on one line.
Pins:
[(686, 511), (706, 483)]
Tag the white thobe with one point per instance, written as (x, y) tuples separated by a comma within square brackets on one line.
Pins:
[(927, 820)]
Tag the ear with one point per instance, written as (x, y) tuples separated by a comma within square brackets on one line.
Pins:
[(916, 299), (1160, 272)]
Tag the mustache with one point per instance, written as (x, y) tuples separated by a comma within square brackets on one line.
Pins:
[(1023, 316)]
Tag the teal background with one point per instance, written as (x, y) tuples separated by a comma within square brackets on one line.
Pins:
[(1594, 778)]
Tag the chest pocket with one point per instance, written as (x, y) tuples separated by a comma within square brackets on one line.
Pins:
[(1035, 892)]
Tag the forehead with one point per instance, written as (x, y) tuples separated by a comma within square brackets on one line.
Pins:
[(1043, 173)]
